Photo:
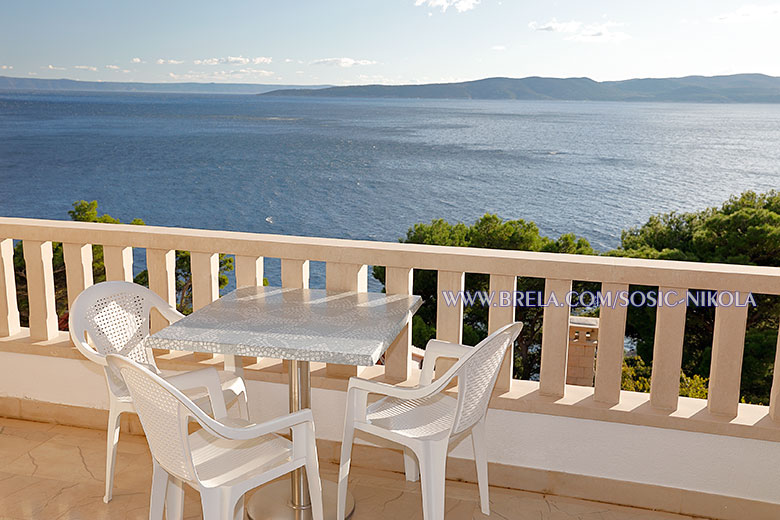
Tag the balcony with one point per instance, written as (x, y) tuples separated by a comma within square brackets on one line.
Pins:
[(555, 448)]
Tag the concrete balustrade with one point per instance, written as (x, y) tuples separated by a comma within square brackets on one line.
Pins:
[(498, 316), (345, 277), (119, 263), (555, 339), (728, 343), (161, 267), (346, 269), (295, 273), (449, 315), (9, 311), (40, 289), (667, 353), (205, 283), (78, 269), (609, 361), (249, 271), (398, 358)]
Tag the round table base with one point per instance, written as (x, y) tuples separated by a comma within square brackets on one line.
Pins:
[(272, 502)]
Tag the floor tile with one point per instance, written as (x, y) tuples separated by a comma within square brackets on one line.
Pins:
[(52, 472)]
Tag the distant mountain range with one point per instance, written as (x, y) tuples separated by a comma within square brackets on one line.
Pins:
[(737, 88), (7, 83)]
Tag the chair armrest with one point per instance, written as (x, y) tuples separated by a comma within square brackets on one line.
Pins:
[(419, 392), (436, 349), (88, 352), (207, 378), (254, 431)]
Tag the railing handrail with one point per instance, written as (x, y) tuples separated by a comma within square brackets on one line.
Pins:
[(665, 273)]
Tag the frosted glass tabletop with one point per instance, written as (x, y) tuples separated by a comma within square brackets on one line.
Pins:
[(348, 328)]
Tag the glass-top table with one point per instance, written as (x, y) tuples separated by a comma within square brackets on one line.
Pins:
[(299, 325)]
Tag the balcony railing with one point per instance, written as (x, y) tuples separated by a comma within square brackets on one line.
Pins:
[(346, 269)]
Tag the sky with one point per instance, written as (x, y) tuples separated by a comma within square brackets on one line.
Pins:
[(341, 42)]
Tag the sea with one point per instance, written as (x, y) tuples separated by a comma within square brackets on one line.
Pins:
[(372, 168)]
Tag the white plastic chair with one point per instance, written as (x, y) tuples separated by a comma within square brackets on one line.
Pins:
[(424, 419), (224, 458), (115, 315)]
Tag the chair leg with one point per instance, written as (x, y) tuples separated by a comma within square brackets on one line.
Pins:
[(346, 456), (112, 439), (479, 441), (433, 466), (313, 475), (411, 467), (215, 506), (174, 500), (157, 498)]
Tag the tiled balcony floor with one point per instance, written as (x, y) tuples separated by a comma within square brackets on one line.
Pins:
[(50, 472)]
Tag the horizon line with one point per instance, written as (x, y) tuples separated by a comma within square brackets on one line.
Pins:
[(328, 85)]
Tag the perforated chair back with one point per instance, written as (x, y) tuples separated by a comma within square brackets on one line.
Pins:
[(477, 376), (116, 317), (164, 413)]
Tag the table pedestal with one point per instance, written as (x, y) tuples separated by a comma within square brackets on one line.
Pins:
[(282, 500)]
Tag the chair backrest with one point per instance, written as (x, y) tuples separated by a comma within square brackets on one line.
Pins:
[(164, 412), (477, 376), (116, 317)]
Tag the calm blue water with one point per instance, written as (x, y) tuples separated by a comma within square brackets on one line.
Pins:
[(369, 169)]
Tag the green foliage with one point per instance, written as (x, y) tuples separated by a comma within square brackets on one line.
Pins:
[(695, 386), (636, 375), (744, 230), (490, 231), (636, 378)]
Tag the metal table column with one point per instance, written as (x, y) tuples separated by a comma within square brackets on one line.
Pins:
[(280, 500)]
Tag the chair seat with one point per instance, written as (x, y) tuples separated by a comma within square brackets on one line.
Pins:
[(223, 462), (413, 418)]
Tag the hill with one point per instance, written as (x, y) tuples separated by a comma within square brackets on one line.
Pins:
[(738, 88), (8, 83)]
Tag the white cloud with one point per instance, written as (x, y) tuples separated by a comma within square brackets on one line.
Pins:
[(86, 67), (459, 5), (112, 67), (52, 67), (342, 62), (136, 60), (246, 73), (556, 26), (169, 62), (6, 67), (579, 32), (234, 60), (600, 33), (498, 48), (288, 60), (749, 13)]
